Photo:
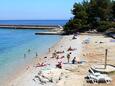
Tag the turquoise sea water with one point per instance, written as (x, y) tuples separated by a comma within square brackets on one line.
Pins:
[(17, 47), (34, 22)]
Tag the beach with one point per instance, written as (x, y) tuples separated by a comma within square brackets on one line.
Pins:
[(70, 74), (57, 43)]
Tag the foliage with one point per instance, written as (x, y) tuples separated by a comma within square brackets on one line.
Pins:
[(103, 26), (93, 14), (113, 9), (71, 26)]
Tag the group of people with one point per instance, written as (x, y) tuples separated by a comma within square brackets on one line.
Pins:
[(68, 56), (74, 61), (25, 55)]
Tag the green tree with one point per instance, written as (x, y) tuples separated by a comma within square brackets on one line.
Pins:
[(103, 9), (99, 10), (93, 14), (70, 26), (80, 11), (80, 18), (113, 9)]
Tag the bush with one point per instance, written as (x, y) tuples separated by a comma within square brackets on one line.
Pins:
[(103, 26), (84, 28), (112, 24), (75, 25), (70, 26)]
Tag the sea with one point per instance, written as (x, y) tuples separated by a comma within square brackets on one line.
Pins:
[(18, 47)]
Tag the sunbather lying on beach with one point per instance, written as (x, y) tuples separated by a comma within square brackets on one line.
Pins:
[(59, 65), (60, 52), (71, 49), (54, 55), (40, 65), (62, 57), (59, 57)]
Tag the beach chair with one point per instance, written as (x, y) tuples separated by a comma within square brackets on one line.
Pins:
[(92, 72), (104, 78), (41, 79), (98, 79), (108, 80), (97, 73), (90, 79)]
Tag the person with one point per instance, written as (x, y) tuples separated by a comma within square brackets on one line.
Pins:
[(74, 60), (29, 50), (40, 65), (54, 54), (59, 65), (57, 57), (24, 55), (49, 50), (45, 57), (69, 49), (36, 54), (74, 37), (27, 67), (68, 57), (60, 52)]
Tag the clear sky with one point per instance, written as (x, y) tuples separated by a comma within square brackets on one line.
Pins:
[(36, 9)]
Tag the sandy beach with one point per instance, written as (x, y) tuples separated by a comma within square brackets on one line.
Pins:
[(70, 74)]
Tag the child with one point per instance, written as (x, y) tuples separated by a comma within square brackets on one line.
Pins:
[(74, 60)]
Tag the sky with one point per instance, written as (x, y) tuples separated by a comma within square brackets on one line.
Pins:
[(36, 9)]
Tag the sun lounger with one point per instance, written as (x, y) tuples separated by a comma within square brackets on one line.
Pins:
[(42, 79), (96, 77), (92, 72), (90, 79), (96, 73)]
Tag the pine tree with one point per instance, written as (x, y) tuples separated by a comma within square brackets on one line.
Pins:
[(93, 14), (113, 10)]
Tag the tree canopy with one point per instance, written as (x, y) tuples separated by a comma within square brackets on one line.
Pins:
[(89, 15)]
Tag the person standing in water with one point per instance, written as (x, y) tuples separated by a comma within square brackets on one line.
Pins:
[(49, 49), (36, 54), (29, 50), (68, 57), (24, 55)]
